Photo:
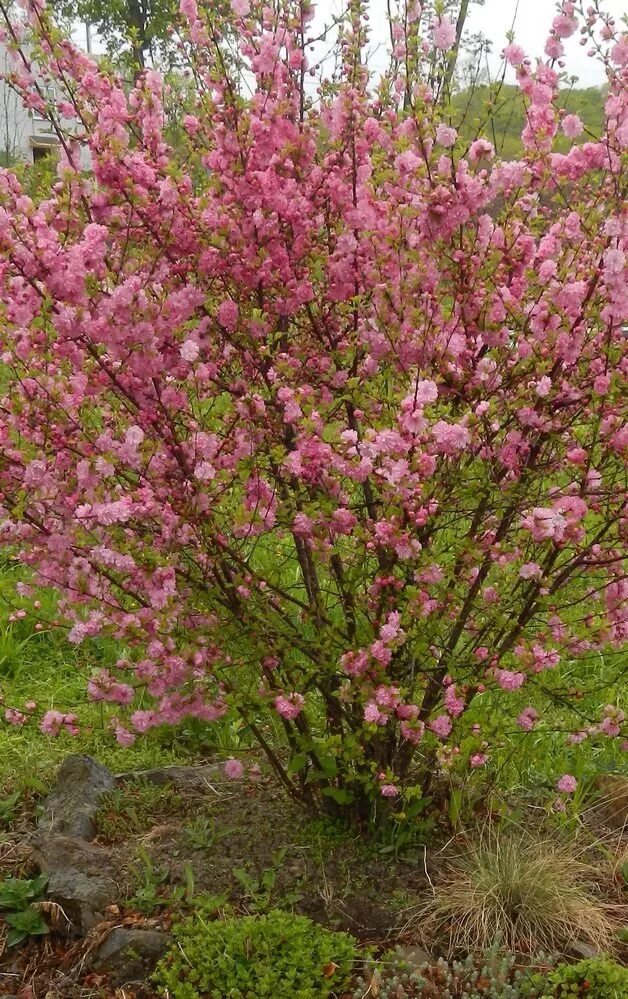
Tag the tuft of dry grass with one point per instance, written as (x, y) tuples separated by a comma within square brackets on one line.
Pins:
[(531, 892)]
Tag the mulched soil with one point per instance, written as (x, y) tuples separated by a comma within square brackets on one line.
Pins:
[(319, 869)]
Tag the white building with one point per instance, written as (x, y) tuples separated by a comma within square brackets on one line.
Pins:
[(25, 135)]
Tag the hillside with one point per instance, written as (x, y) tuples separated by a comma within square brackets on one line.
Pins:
[(498, 112)]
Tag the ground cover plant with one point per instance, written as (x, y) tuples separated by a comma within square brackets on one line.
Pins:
[(324, 422), (273, 956), (597, 977)]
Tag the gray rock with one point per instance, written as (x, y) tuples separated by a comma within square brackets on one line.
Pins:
[(81, 877), (583, 950), (129, 954), (72, 805), (185, 778), (415, 956)]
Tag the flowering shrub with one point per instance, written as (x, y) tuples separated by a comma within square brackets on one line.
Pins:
[(321, 415)]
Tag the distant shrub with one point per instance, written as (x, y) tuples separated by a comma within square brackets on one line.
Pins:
[(275, 956)]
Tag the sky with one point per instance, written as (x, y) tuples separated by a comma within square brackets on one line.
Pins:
[(494, 20), (532, 20)]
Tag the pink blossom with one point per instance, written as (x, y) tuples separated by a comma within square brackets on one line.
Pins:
[(191, 124), (426, 391), (412, 730), (241, 7), (545, 523), (123, 736), (444, 33), (572, 126), (565, 25), (614, 261), (554, 48), (612, 721), (189, 9), (407, 162), (228, 314), (142, 721), (454, 704), (233, 769), (530, 570), (481, 149), (478, 760), (14, 717), (374, 715), (354, 663), (344, 520), (567, 784), (381, 652), (389, 790), (441, 726), (450, 437), (619, 51), (514, 54), (575, 738), (510, 681), (445, 135), (527, 719), (391, 630), (289, 705), (387, 697), (104, 687), (190, 351), (54, 721)]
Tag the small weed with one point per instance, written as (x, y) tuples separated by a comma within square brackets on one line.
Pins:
[(260, 889), (402, 899), (152, 891), (9, 809), (202, 834), (18, 902), (406, 830), (135, 808)]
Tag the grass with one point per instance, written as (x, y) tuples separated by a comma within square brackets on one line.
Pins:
[(532, 892), (54, 674), (135, 808)]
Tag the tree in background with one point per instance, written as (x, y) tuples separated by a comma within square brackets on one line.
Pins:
[(136, 30), (11, 118), (324, 419)]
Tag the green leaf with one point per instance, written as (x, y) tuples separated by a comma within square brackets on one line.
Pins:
[(328, 765), (297, 763), (15, 893), (338, 794), (7, 807), (455, 805), (28, 923)]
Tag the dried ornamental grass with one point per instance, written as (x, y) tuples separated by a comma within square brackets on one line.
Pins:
[(533, 893)]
